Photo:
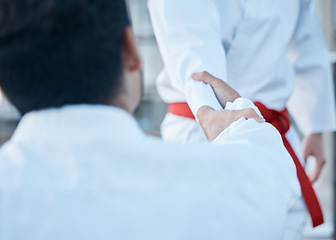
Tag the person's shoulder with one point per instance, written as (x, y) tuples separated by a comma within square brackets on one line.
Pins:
[(181, 150), (7, 153), (13, 155), (4, 151), (9, 163)]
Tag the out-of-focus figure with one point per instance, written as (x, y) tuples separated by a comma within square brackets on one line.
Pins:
[(79, 167), (272, 52)]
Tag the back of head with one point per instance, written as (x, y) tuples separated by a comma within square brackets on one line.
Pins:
[(58, 52)]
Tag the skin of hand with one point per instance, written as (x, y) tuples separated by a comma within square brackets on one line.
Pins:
[(214, 122), (312, 146), (222, 90)]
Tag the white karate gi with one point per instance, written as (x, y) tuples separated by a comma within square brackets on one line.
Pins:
[(89, 172), (272, 51)]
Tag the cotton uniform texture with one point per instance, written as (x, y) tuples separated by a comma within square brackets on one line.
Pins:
[(89, 172), (269, 51)]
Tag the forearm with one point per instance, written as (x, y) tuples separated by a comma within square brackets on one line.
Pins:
[(190, 41)]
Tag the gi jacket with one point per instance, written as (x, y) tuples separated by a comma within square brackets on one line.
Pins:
[(89, 172), (271, 51)]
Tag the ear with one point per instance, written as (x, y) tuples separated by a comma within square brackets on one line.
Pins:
[(130, 53)]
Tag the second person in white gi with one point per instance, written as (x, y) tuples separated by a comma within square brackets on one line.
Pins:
[(272, 52)]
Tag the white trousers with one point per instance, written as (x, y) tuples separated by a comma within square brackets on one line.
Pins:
[(186, 130)]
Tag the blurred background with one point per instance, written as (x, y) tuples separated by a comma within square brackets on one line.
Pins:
[(152, 110)]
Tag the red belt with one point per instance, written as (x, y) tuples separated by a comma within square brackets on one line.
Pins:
[(280, 120)]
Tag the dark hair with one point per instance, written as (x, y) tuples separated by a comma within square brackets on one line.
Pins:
[(58, 52)]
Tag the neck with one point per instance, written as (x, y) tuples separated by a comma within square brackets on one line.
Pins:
[(121, 101)]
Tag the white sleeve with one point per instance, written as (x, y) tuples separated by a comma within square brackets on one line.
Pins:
[(189, 38), (312, 104), (250, 125), (266, 139)]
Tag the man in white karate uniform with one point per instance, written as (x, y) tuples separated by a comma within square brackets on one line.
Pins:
[(271, 52), (79, 167)]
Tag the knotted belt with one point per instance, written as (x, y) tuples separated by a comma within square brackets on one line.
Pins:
[(280, 120)]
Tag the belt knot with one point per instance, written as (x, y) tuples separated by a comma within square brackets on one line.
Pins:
[(279, 119)]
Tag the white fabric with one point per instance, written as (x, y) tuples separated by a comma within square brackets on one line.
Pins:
[(180, 129), (189, 131), (239, 103), (269, 51), (88, 172), (185, 130)]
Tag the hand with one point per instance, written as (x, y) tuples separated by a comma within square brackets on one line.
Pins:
[(312, 146), (214, 122), (222, 90)]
